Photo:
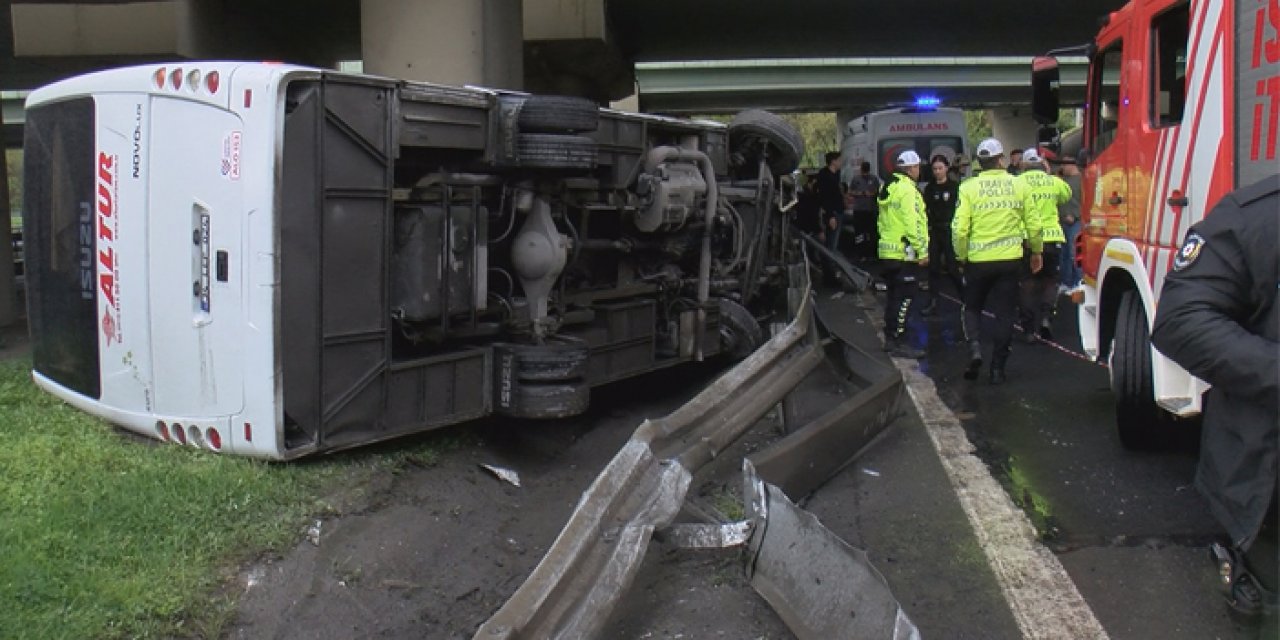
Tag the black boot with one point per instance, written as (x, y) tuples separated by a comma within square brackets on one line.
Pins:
[(1248, 602), (1046, 330), (975, 360), (997, 367)]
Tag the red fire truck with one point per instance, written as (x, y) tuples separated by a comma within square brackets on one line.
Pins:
[(1181, 108)]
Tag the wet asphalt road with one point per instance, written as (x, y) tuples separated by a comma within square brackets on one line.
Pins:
[(1128, 527)]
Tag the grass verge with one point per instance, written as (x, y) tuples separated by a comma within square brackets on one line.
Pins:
[(105, 536)]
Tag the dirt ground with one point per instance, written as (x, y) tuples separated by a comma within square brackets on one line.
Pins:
[(434, 551)]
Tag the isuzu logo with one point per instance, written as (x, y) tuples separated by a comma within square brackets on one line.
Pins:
[(108, 224), (87, 270)]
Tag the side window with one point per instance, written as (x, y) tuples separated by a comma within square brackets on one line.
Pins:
[(1105, 107), (1167, 74)]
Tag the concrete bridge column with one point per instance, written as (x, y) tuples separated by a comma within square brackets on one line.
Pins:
[(1013, 127), (456, 42), (568, 51)]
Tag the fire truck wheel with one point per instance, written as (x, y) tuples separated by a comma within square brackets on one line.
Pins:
[(1142, 424), (558, 114), (740, 334), (754, 132), (559, 359), (549, 151)]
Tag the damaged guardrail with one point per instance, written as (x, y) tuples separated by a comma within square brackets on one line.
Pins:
[(587, 570)]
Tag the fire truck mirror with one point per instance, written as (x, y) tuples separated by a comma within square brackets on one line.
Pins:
[(1044, 89)]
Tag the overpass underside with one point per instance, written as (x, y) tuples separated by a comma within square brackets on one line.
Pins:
[(832, 84)]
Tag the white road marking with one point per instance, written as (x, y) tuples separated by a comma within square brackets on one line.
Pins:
[(1040, 593)]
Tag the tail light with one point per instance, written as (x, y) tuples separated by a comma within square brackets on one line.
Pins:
[(214, 438), (193, 79), (175, 78), (179, 434), (162, 430), (159, 76), (211, 82)]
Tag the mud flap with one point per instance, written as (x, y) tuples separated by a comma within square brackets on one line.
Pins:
[(819, 585)]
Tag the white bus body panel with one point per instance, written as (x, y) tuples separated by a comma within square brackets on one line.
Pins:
[(197, 153)]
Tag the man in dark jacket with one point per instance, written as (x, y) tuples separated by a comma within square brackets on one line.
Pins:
[(1218, 318)]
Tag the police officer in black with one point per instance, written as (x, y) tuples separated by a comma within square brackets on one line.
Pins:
[(1219, 320)]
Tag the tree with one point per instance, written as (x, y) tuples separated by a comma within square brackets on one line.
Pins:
[(977, 125), (819, 133)]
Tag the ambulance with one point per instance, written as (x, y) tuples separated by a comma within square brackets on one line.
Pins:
[(879, 137), (1181, 108)]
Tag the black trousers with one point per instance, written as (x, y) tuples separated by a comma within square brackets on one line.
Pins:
[(901, 278), (1040, 290), (866, 238), (992, 286), (942, 261)]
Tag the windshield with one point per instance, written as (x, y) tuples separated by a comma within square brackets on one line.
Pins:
[(60, 243)]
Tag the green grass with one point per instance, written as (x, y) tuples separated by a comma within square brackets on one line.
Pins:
[(106, 536)]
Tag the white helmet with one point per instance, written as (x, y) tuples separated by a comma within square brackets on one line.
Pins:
[(990, 148), (1032, 156), (908, 159)]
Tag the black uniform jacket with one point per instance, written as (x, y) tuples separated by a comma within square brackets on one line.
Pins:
[(1218, 319)]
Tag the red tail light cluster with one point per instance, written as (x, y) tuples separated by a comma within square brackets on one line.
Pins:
[(175, 79), (209, 438)]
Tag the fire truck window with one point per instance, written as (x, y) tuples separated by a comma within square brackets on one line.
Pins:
[(1168, 67), (1106, 103)]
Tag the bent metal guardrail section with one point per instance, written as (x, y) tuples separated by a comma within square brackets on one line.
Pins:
[(589, 567)]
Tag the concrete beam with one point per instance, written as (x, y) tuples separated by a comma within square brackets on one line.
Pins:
[(569, 50), (832, 84), (139, 28), (458, 42), (565, 20)]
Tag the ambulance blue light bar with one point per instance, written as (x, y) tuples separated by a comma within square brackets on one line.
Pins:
[(928, 102)]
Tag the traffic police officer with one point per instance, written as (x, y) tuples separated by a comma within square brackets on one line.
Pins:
[(994, 217), (904, 244), (1218, 318), (1040, 290)]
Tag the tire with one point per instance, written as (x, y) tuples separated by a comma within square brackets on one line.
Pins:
[(549, 400), (740, 334), (547, 151), (558, 114), (755, 133), (561, 359), (1142, 424)]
